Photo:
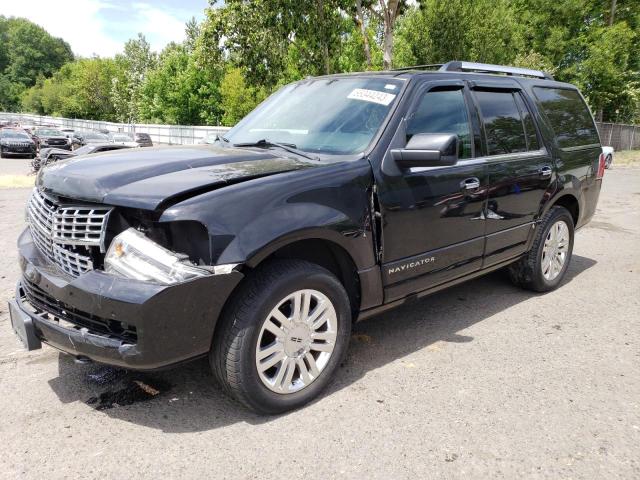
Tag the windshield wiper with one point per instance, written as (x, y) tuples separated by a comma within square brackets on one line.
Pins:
[(289, 147)]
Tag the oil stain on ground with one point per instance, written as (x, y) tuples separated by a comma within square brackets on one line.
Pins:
[(134, 388)]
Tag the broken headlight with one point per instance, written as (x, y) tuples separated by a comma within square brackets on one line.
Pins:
[(133, 255)]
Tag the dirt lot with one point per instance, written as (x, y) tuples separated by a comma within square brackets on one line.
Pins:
[(480, 381)]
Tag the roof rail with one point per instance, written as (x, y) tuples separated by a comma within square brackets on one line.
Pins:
[(418, 67), (457, 66)]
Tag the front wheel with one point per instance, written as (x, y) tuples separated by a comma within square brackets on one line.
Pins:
[(545, 265), (282, 337)]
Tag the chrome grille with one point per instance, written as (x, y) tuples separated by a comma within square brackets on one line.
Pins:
[(66, 233), (80, 225)]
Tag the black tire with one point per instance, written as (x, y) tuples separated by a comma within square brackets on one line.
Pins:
[(607, 161), (527, 272), (233, 353)]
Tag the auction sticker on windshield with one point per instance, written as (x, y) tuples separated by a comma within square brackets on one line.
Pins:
[(383, 98)]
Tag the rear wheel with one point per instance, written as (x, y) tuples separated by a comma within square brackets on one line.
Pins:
[(545, 265), (282, 337), (607, 161)]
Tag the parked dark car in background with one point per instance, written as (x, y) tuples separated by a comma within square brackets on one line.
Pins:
[(51, 137), (143, 139), (16, 142), (50, 155)]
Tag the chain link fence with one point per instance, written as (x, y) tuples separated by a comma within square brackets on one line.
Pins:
[(160, 134)]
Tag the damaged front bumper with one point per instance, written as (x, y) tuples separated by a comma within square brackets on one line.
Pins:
[(113, 320)]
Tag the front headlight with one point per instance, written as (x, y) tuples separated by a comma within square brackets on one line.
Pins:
[(133, 255)]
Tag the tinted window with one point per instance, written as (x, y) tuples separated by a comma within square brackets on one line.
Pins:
[(529, 127), (14, 134), (502, 123), (569, 116), (442, 112)]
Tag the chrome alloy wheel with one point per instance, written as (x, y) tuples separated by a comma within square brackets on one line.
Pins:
[(555, 250), (296, 341)]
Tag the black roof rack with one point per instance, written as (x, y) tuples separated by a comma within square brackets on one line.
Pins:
[(457, 66)]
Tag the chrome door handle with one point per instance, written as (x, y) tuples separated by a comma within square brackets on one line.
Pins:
[(470, 183), (545, 171)]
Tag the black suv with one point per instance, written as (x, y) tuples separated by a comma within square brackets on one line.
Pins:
[(337, 198)]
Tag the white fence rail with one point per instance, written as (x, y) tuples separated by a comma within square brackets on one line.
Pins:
[(160, 134)]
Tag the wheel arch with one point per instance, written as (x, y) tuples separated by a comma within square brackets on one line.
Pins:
[(320, 250), (571, 203)]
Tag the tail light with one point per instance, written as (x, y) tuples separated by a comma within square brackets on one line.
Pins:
[(601, 163)]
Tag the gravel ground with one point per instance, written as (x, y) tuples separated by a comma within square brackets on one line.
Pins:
[(480, 381)]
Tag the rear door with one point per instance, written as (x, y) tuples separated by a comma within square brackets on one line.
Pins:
[(577, 144), (520, 169)]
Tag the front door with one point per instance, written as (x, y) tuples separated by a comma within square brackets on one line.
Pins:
[(433, 222), (520, 171)]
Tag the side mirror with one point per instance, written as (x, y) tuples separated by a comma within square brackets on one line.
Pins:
[(428, 150)]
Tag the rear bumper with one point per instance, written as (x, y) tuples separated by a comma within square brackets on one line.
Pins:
[(117, 321)]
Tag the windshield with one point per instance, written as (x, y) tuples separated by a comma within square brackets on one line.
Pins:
[(14, 134), (330, 115), (95, 136), (49, 132), (122, 138)]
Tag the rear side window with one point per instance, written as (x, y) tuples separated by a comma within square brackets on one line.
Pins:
[(503, 124), (568, 115), (442, 111), (529, 127)]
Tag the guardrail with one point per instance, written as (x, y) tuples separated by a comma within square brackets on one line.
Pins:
[(160, 134)]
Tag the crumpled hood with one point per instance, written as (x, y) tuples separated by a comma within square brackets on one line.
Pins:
[(146, 178)]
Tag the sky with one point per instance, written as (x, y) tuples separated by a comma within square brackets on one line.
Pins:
[(100, 27)]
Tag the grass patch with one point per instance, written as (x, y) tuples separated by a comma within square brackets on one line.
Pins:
[(626, 157), (17, 181)]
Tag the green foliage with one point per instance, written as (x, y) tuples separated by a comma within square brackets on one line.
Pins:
[(81, 89), (261, 36), (238, 99), (132, 66), (27, 52), (604, 76), (174, 92), (244, 49), (442, 30)]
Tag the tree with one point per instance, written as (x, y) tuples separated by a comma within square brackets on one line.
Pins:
[(133, 66), (29, 51), (81, 89), (432, 33), (387, 12), (259, 35), (238, 99)]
